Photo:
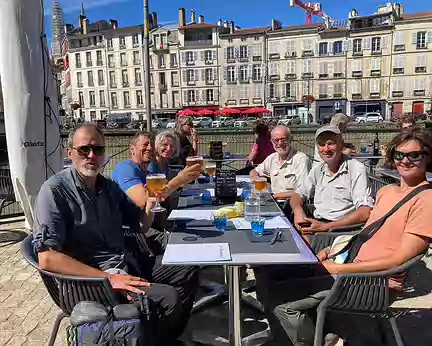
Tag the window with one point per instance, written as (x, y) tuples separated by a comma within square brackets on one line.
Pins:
[(161, 60), (399, 61), (190, 57), (231, 92), (337, 48), (101, 81), (162, 79), (256, 38), (92, 98), (191, 96), (125, 78), (258, 91), (256, 50), (88, 59), (209, 95), (230, 53), (375, 86), (136, 58), (398, 38), (376, 44), (274, 69), (138, 78), (102, 98), (81, 99), (231, 74), (112, 79), (324, 67), (357, 45), (174, 79), (244, 92), (173, 60), (77, 60), (307, 66), (272, 91), (356, 86), (126, 99), (419, 84), (90, 80), (139, 97), (135, 40), (338, 89), (290, 67), (323, 90), (290, 47), (92, 115), (208, 55), (114, 100), (421, 40), (208, 74), (79, 80), (323, 48), (287, 90), (357, 65), (122, 41), (243, 52), (376, 64), (273, 47), (307, 45), (109, 43), (99, 60), (397, 85), (190, 76), (243, 73), (111, 61), (421, 60), (256, 72), (338, 67), (123, 61)]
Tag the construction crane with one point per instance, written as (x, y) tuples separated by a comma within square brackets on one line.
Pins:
[(312, 9)]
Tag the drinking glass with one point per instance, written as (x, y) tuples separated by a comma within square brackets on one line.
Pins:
[(193, 160), (221, 222), (211, 170), (257, 224), (155, 184), (260, 183)]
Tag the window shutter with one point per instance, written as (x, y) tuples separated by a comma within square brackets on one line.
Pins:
[(329, 68), (384, 42), (185, 76), (236, 52), (183, 55), (185, 96), (237, 72), (414, 38), (215, 74), (225, 73), (330, 47), (225, 54), (284, 89), (203, 55), (348, 46), (196, 73), (203, 75), (367, 43), (201, 95), (250, 71), (429, 37)]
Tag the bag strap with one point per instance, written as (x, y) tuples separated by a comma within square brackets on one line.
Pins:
[(370, 230)]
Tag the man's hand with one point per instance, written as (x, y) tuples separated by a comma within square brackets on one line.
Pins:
[(316, 226), (127, 283), (323, 254), (299, 218), (194, 134), (189, 174)]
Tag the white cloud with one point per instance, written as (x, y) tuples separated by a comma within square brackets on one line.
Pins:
[(74, 5)]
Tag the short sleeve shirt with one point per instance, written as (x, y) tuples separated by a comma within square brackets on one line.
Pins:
[(288, 175), (339, 195), (413, 217), (127, 174), (83, 224)]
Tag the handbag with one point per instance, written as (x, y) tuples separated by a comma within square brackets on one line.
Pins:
[(351, 250)]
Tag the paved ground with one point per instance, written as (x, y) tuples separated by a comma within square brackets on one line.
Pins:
[(27, 313)]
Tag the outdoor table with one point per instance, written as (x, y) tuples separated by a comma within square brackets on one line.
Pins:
[(392, 173), (292, 250)]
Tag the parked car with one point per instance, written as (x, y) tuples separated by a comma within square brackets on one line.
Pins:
[(290, 120), (420, 117), (135, 124), (240, 123), (171, 124), (370, 117), (160, 123), (202, 122)]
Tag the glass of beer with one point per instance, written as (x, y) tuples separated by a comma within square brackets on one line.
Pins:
[(193, 160), (156, 183), (211, 170), (260, 183)]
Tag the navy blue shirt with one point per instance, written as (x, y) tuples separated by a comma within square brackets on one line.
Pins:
[(85, 225)]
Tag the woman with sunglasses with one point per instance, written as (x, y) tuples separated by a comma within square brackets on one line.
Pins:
[(184, 127)]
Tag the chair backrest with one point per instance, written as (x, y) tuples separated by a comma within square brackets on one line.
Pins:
[(66, 290), (6, 186)]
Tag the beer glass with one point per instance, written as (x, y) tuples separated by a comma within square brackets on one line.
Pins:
[(193, 160), (155, 184), (211, 170), (260, 183)]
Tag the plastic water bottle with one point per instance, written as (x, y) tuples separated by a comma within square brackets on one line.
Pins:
[(251, 207)]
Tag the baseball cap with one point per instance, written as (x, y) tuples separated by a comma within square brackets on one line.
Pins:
[(327, 128)]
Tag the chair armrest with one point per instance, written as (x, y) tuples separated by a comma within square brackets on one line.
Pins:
[(350, 228), (322, 240), (364, 292)]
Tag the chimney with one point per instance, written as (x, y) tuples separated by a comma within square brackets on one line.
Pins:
[(84, 25), (154, 19), (193, 17), (237, 28), (219, 23), (182, 17), (276, 25), (68, 27), (201, 19), (226, 24), (114, 24), (231, 26)]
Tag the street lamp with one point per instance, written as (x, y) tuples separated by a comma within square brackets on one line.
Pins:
[(147, 66)]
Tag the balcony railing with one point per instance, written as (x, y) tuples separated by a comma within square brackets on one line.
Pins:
[(89, 64), (356, 96), (399, 47), (125, 84), (358, 53), (420, 69), (122, 46), (306, 75), (123, 63), (375, 73), (209, 82), (376, 52), (162, 87), (90, 83), (80, 85), (137, 62), (257, 58), (113, 85), (308, 52), (398, 70), (323, 96), (101, 82), (274, 56), (138, 82), (78, 65), (273, 99), (99, 63), (198, 43), (209, 61), (338, 75), (419, 93), (190, 82), (111, 65), (337, 95), (274, 77), (357, 73), (323, 75), (244, 80), (290, 76), (375, 95), (398, 93), (289, 55), (243, 59)]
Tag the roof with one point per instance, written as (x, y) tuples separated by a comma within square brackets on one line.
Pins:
[(164, 28), (417, 15), (305, 26), (251, 31), (198, 26), (335, 30)]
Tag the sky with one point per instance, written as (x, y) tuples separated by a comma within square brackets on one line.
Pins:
[(244, 13)]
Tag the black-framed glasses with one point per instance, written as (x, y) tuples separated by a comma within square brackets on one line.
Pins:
[(412, 156), (85, 150), (277, 140)]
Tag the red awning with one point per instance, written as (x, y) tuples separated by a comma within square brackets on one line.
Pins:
[(256, 111), (229, 111), (205, 112), (187, 112)]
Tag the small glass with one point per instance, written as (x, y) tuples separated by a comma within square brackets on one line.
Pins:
[(257, 224), (221, 222), (193, 160), (211, 170), (156, 183)]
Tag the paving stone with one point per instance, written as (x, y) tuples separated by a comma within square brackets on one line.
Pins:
[(5, 335), (16, 341)]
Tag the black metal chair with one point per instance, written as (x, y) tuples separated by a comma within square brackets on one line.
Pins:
[(7, 195), (365, 293), (67, 291)]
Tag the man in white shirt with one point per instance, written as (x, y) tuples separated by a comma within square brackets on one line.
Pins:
[(287, 168)]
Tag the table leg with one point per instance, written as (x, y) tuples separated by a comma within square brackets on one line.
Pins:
[(235, 335)]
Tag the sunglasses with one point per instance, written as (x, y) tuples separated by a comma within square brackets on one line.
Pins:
[(412, 156), (85, 150)]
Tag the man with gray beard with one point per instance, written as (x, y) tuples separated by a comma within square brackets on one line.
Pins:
[(78, 230)]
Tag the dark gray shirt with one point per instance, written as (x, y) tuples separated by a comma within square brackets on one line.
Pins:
[(85, 225)]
